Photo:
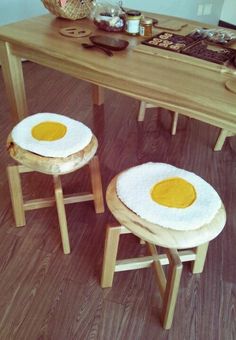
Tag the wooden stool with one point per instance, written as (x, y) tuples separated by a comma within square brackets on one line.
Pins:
[(142, 110), (54, 166), (220, 140), (153, 235)]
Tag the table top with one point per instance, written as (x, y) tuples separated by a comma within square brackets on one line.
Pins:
[(195, 89)]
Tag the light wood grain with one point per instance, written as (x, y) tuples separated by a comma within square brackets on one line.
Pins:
[(48, 165), (201, 253), (110, 255), (142, 110), (160, 274), (96, 181), (168, 287), (221, 139), (172, 287), (157, 235), (199, 92), (14, 81), (61, 214), (52, 165), (16, 195), (98, 95)]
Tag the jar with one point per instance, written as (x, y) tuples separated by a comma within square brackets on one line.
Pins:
[(132, 22), (145, 29)]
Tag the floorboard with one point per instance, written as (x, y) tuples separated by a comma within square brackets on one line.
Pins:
[(47, 295)]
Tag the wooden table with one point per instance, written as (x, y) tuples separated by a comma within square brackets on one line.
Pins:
[(182, 85)]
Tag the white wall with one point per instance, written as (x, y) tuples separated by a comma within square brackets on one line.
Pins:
[(228, 13), (14, 10), (180, 8)]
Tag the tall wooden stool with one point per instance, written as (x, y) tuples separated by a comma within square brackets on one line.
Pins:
[(182, 244), (223, 134), (38, 145)]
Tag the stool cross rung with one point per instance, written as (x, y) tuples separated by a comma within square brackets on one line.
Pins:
[(24, 169), (146, 261), (50, 201), (122, 229)]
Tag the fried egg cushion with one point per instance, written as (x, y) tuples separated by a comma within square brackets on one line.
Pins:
[(168, 196), (51, 135)]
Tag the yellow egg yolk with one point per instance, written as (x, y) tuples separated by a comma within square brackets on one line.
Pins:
[(48, 131), (174, 193)]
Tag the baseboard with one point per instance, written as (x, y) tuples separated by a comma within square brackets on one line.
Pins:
[(226, 24)]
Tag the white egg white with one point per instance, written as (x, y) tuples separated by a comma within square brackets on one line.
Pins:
[(77, 136), (134, 187)]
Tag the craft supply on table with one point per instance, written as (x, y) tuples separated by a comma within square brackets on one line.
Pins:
[(105, 50), (169, 24), (169, 41), (108, 17), (213, 53), (215, 35), (69, 9), (194, 47), (106, 44), (185, 59), (132, 22), (110, 43), (75, 32), (145, 29)]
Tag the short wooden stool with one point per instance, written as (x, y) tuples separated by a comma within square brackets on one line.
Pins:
[(223, 134), (54, 166), (196, 241)]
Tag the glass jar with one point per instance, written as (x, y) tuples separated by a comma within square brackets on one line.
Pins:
[(133, 22), (145, 29)]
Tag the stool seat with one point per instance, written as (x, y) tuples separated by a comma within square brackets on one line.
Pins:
[(52, 165), (155, 233)]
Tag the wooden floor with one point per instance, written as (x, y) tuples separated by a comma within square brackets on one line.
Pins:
[(47, 295)]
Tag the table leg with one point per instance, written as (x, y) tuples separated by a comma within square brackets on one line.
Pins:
[(98, 95), (14, 81)]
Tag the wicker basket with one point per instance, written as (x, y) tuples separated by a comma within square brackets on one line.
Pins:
[(73, 10)]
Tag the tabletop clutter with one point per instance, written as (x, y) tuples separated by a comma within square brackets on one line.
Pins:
[(203, 43)]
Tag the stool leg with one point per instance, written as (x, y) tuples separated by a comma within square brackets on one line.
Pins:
[(198, 263), (98, 95), (221, 139), (174, 123), (16, 195), (160, 274), (61, 214), (172, 287), (142, 109), (110, 254), (96, 185)]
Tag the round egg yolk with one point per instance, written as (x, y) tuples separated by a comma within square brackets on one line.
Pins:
[(174, 193), (49, 131)]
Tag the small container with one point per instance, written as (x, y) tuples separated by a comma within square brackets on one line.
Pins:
[(133, 22), (145, 29)]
